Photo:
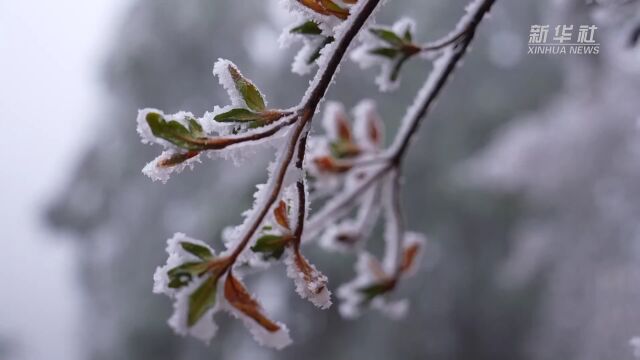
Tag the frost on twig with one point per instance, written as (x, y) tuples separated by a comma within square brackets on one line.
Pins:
[(184, 137), (316, 27), (373, 284)]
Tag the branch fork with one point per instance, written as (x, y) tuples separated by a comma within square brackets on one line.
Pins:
[(350, 156)]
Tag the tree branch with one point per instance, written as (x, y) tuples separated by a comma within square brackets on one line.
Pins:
[(433, 86), (324, 77)]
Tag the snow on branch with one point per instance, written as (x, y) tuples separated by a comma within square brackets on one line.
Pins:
[(348, 165)]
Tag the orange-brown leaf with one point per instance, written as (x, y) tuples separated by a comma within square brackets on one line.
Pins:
[(374, 132), (409, 256), (309, 274), (314, 5), (334, 9), (238, 296), (280, 213), (327, 164), (176, 159), (343, 128)]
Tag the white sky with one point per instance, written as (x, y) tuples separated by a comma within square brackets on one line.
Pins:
[(50, 58)]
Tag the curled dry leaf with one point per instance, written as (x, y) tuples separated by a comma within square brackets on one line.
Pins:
[(310, 283), (327, 164), (343, 129), (281, 216)]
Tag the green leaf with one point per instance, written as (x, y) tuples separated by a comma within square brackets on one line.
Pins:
[(385, 52), (271, 246), (388, 36), (341, 149), (195, 128), (238, 115), (374, 290), (316, 53), (247, 90), (174, 132), (182, 275), (408, 37), (203, 299), (308, 28), (398, 66), (197, 250)]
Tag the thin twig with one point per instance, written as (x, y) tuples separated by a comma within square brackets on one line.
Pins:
[(437, 80), (325, 76), (344, 201), (395, 212), (302, 208)]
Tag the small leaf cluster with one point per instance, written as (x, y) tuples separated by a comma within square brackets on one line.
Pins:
[(196, 278), (344, 143), (396, 48), (383, 283), (204, 297)]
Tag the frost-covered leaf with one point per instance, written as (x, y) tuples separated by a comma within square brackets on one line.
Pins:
[(315, 55), (181, 275), (326, 7), (373, 290), (314, 5), (238, 297), (200, 251), (174, 132), (390, 48), (177, 158), (280, 213), (387, 36), (238, 115), (270, 246), (182, 267), (414, 244), (395, 73), (327, 164), (169, 162), (369, 289), (307, 28), (408, 257), (246, 308), (335, 9), (408, 35), (385, 52), (310, 283), (344, 149), (249, 92), (201, 300), (195, 129)]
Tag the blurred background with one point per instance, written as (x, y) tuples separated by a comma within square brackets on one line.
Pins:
[(525, 178)]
